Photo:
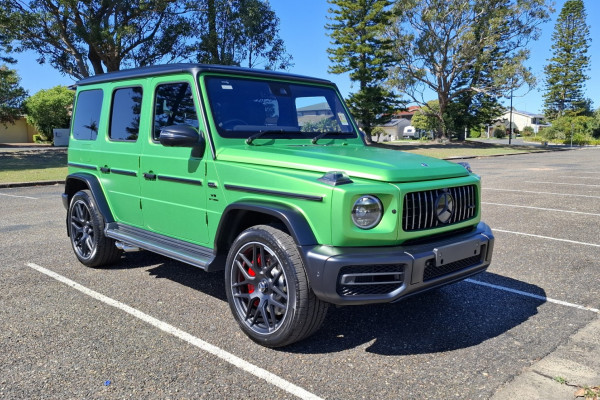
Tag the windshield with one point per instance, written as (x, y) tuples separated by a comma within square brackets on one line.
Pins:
[(242, 108)]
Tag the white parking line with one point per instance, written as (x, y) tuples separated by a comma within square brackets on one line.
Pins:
[(540, 208), (555, 194), (546, 237), (194, 341), (579, 177), (22, 197), (562, 183), (535, 296)]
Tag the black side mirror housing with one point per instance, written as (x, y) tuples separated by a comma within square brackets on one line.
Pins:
[(180, 136)]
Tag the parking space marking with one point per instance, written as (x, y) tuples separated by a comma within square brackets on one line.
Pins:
[(579, 177), (555, 194), (535, 296), (22, 197), (547, 237), (562, 183), (540, 208), (194, 341)]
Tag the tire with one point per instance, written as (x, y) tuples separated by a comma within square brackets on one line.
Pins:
[(86, 230), (267, 288)]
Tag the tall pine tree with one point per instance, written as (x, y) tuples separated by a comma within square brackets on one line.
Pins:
[(566, 71), (360, 48)]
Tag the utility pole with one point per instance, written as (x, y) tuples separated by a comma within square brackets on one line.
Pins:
[(511, 111)]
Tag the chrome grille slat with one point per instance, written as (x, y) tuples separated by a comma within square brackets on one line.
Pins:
[(420, 207)]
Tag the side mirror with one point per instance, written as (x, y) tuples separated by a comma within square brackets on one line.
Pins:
[(180, 136)]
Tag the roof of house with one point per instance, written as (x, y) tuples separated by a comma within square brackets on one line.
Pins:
[(525, 113), (315, 107), (397, 122)]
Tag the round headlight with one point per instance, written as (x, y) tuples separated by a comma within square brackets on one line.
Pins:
[(367, 212)]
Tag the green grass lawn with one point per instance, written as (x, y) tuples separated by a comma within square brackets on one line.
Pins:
[(51, 165), (33, 166), (459, 149)]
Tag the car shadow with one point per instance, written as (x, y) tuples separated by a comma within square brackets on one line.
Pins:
[(453, 317), (210, 283), (457, 316)]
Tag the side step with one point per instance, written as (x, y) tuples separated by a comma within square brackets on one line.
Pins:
[(179, 250)]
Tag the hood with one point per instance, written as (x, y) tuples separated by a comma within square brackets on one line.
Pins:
[(357, 161)]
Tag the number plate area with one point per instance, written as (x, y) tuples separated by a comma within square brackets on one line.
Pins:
[(457, 251)]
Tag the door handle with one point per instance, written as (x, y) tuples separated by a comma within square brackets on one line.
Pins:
[(149, 176)]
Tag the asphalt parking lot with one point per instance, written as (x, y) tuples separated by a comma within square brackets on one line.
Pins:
[(155, 328)]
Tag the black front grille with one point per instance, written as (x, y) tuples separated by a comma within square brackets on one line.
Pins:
[(420, 208), (357, 280), (432, 271)]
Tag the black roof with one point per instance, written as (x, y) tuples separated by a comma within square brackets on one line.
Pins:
[(193, 69)]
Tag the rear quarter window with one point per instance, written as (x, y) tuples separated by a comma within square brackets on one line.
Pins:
[(87, 114)]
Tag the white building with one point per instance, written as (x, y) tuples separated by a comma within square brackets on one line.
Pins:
[(521, 119)]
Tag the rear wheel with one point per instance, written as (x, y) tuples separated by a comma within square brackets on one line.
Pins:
[(268, 290), (86, 230)]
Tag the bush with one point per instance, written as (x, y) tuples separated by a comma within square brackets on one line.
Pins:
[(553, 133), (528, 131), (579, 139), (475, 132), (499, 132), (49, 109)]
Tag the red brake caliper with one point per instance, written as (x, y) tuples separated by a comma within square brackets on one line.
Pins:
[(251, 287)]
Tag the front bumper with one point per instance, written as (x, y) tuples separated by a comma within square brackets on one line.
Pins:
[(364, 275)]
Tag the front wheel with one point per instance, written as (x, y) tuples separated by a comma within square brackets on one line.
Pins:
[(267, 288)]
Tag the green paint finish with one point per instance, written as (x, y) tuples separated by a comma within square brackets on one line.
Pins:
[(182, 193)]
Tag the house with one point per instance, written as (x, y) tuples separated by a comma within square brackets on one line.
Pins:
[(521, 119), (395, 128), (314, 113), (19, 132)]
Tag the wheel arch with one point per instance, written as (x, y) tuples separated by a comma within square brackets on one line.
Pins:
[(239, 216), (84, 181)]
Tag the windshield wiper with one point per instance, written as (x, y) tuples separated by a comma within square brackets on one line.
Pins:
[(323, 134), (260, 133)]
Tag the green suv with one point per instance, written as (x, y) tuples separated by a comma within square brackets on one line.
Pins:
[(266, 176)]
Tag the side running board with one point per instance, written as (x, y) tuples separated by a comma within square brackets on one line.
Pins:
[(179, 250)]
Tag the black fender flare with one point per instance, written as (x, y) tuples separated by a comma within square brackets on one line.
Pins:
[(80, 181), (295, 223)]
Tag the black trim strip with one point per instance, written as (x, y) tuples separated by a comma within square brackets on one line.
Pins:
[(179, 180), (273, 193), (84, 166), (123, 172)]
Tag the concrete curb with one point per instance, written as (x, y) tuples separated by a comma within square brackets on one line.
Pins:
[(576, 362), (27, 184)]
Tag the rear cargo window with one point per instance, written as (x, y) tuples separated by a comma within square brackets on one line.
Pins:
[(87, 115)]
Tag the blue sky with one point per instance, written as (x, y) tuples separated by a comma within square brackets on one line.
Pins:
[(303, 30)]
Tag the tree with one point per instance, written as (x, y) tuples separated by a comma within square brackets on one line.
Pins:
[(565, 72), (49, 109), (467, 52), (12, 96), (426, 117), (360, 48), (81, 39), (241, 32)]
